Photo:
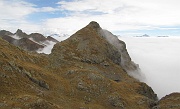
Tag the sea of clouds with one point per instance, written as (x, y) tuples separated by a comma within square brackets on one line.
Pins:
[(159, 60)]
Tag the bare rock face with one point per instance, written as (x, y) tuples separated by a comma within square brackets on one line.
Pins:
[(125, 60)]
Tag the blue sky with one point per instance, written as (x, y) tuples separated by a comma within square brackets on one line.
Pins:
[(44, 3), (122, 17)]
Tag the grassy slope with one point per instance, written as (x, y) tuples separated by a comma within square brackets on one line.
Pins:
[(63, 80)]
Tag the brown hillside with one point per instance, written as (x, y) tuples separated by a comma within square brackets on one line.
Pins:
[(171, 101), (82, 72)]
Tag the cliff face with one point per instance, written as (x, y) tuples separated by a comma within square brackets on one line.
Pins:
[(125, 60), (84, 71)]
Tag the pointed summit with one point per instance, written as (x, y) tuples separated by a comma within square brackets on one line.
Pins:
[(21, 34), (19, 31), (92, 44), (94, 25)]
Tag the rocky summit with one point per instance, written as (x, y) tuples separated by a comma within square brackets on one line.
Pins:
[(89, 70)]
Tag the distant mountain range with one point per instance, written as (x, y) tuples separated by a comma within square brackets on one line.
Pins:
[(146, 35), (59, 35), (29, 42)]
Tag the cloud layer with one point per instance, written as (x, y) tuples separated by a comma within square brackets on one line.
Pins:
[(47, 49), (69, 16), (158, 59)]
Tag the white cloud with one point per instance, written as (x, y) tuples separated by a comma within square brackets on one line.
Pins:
[(13, 9), (158, 59), (47, 49), (104, 6), (19, 9), (47, 9), (14, 14), (114, 15)]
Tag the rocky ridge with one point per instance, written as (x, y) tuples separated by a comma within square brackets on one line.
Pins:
[(85, 71), (31, 42)]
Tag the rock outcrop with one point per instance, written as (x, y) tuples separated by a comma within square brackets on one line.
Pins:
[(85, 71), (171, 101)]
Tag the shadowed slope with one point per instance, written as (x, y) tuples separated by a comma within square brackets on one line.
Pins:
[(33, 42)]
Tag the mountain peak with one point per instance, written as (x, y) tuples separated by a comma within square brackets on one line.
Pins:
[(95, 45), (21, 34), (94, 25), (19, 31)]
